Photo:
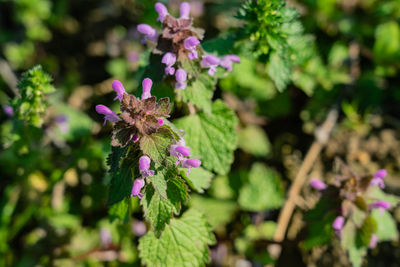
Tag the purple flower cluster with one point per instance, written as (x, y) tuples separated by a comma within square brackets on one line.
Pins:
[(182, 152), (183, 42), (117, 86), (351, 190), (144, 168)]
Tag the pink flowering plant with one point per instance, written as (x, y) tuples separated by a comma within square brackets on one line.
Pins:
[(353, 209), (159, 157)]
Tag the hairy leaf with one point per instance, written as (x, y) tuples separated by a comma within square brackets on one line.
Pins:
[(158, 210), (156, 146), (212, 137), (198, 179), (200, 92), (184, 242)]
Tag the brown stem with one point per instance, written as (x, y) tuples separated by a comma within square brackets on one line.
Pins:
[(321, 137)]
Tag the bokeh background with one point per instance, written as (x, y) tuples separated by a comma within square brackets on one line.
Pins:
[(53, 185)]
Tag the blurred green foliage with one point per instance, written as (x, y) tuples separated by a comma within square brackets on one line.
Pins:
[(298, 59)]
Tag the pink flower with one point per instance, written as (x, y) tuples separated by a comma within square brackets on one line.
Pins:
[(146, 84), (180, 76), (162, 11), (190, 163), (227, 61), (8, 110), (160, 122), (144, 167), (119, 89), (109, 115), (318, 184), (137, 186), (149, 32), (169, 59), (190, 44), (210, 62), (378, 178), (338, 223), (380, 204), (184, 10)]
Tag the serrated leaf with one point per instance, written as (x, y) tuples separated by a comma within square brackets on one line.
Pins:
[(156, 146), (386, 225), (253, 140), (279, 69), (198, 178), (122, 180), (200, 92), (158, 210), (120, 211), (218, 212), (263, 191), (213, 137), (115, 156), (184, 242)]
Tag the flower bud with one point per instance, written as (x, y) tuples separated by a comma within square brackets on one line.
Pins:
[(162, 11), (144, 163), (338, 223), (318, 184), (119, 89), (146, 84), (184, 10), (160, 122)]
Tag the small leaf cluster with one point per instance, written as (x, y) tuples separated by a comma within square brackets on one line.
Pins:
[(30, 107)]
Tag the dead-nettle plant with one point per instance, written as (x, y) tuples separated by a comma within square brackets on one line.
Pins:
[(159, 161), (354, 210)]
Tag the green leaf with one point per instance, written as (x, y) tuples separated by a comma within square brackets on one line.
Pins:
[(368, 227), (351, 243), (386, 225), (264, 190), (115, 156), (218, 212), (156, 146), (184, 242), (158, 210), (198, 178), (200, 92), (120, 210), (320, 221), (253, 140), (265, 230), (387, 42), (279, 69), (121, 180), (213, 137), (376, 193)]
